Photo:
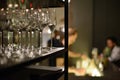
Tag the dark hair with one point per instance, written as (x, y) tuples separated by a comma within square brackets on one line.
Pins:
[(74, 31), (113, 39)]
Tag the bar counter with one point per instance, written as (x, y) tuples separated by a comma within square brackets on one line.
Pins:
[(111, 72), (12, 67)]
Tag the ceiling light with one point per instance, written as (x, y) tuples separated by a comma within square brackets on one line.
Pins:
[(68, 1)]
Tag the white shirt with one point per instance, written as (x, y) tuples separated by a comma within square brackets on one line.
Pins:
[(115, 54)]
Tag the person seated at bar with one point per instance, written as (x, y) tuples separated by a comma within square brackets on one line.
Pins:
[(114, 49), (56, 42)]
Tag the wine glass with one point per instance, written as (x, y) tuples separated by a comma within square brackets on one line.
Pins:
[(34, 26), (1, 25), (31, 27), (24, 24), (15, 24), (43, 21), (52, 23), (28, 28), (5, 27)]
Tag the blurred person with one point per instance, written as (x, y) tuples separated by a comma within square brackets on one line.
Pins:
[(113, 50), (72, 36), (112, 44), (56, 41), (73, 57)]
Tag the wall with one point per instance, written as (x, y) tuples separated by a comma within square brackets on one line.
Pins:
[(82, 20), (106, 21)]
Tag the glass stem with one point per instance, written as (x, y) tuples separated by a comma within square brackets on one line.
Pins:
[(32, 38), (19, 35), (1, 41), (28, 39), (41, 41), (51, 44)]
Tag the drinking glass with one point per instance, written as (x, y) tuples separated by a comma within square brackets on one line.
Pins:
[(52, 23), (43, 21)]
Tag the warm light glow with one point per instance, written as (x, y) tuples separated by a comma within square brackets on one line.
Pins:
[(63, 69), (96, 73), (16, 5), (19, 32), (101, 66), (7, 9), (85, 64), (10, 5), (39, 10), (49, 31), (13, 11), (63, 29), (43, 14), (32, 32), (35, 12), (2, 9), (32, 8), (27, 10), (78, 64)]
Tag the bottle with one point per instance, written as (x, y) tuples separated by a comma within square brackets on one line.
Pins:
[(95, 54), (78, 64), (100, 66)]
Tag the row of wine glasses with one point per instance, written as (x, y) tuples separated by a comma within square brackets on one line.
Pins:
[(13, 54), (27, 21)]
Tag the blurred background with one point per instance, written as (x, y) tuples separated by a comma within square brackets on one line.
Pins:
[(91, 23), (94, 20)]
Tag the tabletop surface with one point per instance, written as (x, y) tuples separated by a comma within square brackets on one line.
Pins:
[(111, 72)]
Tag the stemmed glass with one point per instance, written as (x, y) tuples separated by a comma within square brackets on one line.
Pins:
[(52, 23), (32, 18), (28, 27), (30, 21), (1, 24), (33, 26), (24, 23), (15, 24), (5, 26), (43, 21)]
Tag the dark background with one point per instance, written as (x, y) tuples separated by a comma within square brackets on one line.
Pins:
[(95, 20), (35, 3), (106, 21), (81, 17)]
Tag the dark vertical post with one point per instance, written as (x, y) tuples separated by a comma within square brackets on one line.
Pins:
[(66, 40)]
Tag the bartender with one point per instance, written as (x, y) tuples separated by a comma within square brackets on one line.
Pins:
[(73, 57), (72, 36), (112, 44)]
